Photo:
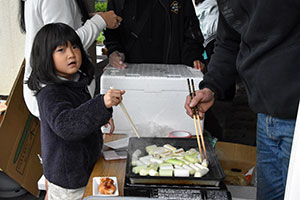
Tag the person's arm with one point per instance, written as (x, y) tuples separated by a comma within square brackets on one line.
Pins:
[(75, 123), (222, 70), (64, 11), (113, 36), (193, 39)]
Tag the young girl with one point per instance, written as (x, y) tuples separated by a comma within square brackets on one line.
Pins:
[(71, 138), (34, 14)]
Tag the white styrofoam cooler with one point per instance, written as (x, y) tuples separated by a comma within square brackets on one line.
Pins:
[(154, 98)]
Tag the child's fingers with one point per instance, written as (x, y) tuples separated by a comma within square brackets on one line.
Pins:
[(112, 126), (113, 101), (116, 93), (113, 97)]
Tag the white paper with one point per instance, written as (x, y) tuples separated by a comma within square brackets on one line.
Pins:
[(118, 144)]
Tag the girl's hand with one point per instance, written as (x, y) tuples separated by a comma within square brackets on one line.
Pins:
[(112, 126), (113, 97), (112, 20)]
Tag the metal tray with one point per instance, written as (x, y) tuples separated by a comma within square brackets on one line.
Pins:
[(212, 178)]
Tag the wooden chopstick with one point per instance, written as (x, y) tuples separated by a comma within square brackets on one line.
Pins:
[(194, 117), (128, 117), (198, 119)]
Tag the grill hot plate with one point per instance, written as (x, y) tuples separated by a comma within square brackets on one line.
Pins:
[(212, 178)]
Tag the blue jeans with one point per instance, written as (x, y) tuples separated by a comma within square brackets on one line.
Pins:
[(273, 145)]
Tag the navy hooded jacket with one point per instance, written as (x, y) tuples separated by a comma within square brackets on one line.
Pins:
[(71, 138)]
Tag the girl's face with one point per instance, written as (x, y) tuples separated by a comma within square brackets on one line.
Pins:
[(67, 60)]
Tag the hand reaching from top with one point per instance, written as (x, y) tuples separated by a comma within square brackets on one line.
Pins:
[(116, 59), (111, 19)]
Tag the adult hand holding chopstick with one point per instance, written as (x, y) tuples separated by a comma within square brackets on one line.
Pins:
[(196, 113), (203, 99)]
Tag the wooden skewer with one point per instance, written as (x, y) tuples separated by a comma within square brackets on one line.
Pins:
[(198, 118), (194, 116), (128, 117)]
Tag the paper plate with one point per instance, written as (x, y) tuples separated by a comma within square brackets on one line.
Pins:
[(96, 183)]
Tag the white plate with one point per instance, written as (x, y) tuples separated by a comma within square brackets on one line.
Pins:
[(96, 183)]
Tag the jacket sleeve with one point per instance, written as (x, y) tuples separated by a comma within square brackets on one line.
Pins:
[(193, 39), (91, 29), (208, 15), (72, 123), (64, 11), (113, 36), (222, 71)]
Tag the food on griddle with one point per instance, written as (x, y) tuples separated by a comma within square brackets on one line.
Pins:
[(181, 172), (107, 186), (165, 172), (169, 161)]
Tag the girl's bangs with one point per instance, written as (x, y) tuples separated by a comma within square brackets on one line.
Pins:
[(62, 36)]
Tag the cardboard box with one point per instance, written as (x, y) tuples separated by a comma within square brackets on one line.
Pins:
[(20, 140), (154, 98), (236, 160), (236, 157)]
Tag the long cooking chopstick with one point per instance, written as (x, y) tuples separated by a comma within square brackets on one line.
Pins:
[(198, 119), (128, 117), (194, 117)]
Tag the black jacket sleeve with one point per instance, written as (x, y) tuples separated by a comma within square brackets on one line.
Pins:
[(222, 71), (193, 39), (113, 36)]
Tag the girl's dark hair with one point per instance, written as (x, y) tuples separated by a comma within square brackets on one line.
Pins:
[(21, 16), (41, 59), (81, 4)]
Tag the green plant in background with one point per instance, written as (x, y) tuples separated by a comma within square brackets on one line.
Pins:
[(100, 38), (100, 6)]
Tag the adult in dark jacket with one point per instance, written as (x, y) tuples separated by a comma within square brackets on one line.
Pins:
[(156, 31), (259, 41)]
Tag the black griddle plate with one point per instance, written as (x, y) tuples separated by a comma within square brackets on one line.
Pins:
[(212, 178)]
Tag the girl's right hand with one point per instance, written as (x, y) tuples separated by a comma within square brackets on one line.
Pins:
[(113, 97), (111, 19)]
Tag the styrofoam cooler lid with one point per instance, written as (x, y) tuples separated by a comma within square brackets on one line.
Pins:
[(150, 77)]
